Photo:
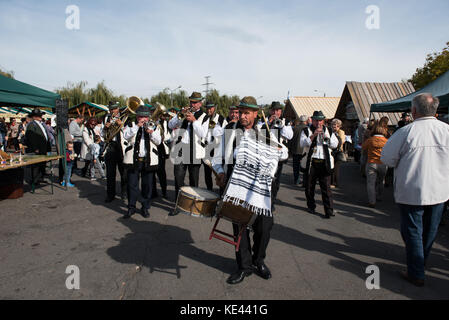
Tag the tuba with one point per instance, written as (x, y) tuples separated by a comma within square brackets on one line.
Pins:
[(131, 106)]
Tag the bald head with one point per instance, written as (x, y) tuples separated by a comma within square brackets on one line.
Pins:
[(424, 105)]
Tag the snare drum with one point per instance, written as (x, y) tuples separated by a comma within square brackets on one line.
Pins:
[(237, 214), (197, 202)]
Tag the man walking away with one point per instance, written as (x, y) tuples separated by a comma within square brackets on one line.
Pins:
[(419, 153)]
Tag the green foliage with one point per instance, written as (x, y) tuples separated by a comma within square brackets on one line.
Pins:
[(77, 93), (436, 64), (223, 102), (9, 74)]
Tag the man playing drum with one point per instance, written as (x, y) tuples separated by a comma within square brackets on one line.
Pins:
[(249, 258)]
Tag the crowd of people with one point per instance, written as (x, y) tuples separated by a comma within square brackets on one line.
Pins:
[(415, 153)]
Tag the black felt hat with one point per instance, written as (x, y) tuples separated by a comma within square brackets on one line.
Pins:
[(275, 105), (143, 111), (36, 113), (113, 105), (318, 115)]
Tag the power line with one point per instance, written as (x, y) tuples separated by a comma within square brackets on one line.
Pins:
[(207, 84)]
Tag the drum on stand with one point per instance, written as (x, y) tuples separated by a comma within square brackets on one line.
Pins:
[(196, 202), (236, 214)]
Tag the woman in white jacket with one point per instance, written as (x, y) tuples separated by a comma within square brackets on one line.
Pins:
[(88, 140)]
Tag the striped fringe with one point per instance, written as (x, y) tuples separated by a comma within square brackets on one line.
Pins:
[(244, 204)]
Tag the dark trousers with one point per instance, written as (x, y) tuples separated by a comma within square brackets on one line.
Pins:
[(180, 173), (247, 255), (86, 167), (419, 228), (77, 149), (144, 196), (37, 172), (276, 184), (208, 177), (113, 161), (319, 172), (162, 177), (296, 167)]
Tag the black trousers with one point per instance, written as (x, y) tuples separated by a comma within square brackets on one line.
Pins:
[(114, 160), (296, 167), (253, 255), (319, 172), (180, 173), (276, 184), (161, 176), (77, 149), (208, 177), (144, 196)]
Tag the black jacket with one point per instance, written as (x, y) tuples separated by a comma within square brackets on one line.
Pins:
[(35, 139)]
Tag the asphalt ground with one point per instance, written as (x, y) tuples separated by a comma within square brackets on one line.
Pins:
[(171, 257)]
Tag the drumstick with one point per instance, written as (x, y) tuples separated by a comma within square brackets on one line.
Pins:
[(209, 164)]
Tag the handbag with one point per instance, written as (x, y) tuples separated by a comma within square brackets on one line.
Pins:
[(340, 156)]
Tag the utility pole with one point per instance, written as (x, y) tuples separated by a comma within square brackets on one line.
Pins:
[(207, 84)]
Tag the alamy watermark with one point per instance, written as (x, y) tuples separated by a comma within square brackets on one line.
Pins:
[(72, 22), (373, 20), (373, 280), (73, 280)]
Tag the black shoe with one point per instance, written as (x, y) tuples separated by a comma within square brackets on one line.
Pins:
[(123, 196), (109, 199), (311, 211), (128, 214), (332, 214), (327, 216), (263, 271), (239, 276), (145, 213)]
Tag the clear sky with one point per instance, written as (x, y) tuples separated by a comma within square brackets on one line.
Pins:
[(259, 48)]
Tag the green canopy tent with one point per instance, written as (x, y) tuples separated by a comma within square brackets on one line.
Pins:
[(17, 94), (438, 88)]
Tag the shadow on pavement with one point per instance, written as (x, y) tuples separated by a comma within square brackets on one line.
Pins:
[(158, 247), (344, 255)]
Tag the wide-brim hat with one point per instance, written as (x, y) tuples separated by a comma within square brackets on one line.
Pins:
[(276, 105), (232, 107), (210, 105), (303, 118), (318, 115), (36, 113), (113, 105), (248, 102), (143, 111), (195, 96)]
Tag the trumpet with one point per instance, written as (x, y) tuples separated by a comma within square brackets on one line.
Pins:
[(277, 123), (150, 125)]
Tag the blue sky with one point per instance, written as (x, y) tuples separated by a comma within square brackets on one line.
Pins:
[(259, 48)]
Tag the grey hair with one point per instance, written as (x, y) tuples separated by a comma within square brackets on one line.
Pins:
[(425, 104), (337, 122)]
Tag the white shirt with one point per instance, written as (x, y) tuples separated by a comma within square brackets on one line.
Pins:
[(419, 152), (42, 128), (130, 132), (318, 153), (200, 129)]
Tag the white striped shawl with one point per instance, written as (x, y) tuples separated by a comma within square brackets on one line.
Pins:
[(250, 182)]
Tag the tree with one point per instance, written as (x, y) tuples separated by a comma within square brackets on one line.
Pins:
[(9, 74), (436, 64)]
